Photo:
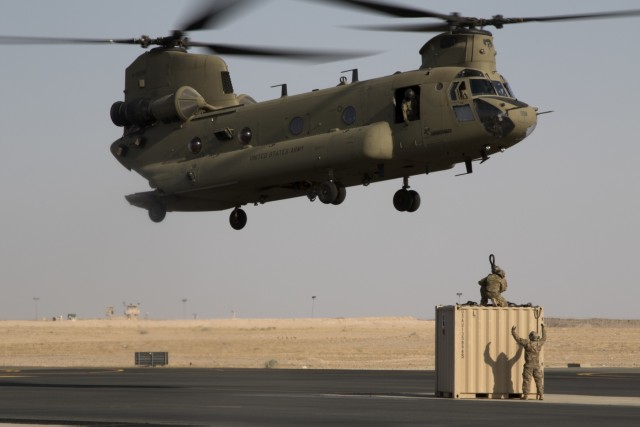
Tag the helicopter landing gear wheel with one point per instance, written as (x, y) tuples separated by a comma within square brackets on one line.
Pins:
[(157, 212), (328, 192), (342, 193), (238, 219), (406, 200), (416, 201)]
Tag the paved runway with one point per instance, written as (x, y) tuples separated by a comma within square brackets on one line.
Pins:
[(234, 397)]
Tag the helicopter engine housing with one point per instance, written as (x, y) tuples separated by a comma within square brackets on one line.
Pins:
[(170, 108)]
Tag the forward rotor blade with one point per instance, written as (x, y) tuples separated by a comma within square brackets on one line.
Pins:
[(212, 16), (20, 40), (585, 16), (302, 55), (420, 28)]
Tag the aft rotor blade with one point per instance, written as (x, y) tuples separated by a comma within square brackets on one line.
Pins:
[(392, 10), (303, 55), (212, 16), (20, 40)]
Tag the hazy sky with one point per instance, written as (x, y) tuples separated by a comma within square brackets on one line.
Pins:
[(560, 210)]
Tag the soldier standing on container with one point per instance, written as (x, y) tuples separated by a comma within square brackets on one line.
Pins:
[(493, 285), (532, 348)]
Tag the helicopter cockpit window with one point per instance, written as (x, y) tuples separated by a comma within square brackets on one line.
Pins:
[(462, 90), (500, 89), (482, 87), (407, 102), (463, 113), (467, 72), (508, 87), (452, 92)]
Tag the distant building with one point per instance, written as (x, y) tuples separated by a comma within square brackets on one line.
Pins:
[(132, 311)]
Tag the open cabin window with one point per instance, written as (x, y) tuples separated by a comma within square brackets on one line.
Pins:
[(458, 91), (407, 104)]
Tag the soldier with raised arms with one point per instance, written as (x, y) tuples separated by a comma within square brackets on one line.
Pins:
[(532, 348)]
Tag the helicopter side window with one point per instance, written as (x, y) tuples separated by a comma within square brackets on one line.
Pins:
[(407, 102), (482, 87)]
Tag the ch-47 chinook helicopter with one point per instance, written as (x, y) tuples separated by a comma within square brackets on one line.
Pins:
[(204, 148)]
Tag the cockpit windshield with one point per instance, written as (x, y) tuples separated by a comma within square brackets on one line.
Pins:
[(508, 88), (500, 89), (482, 87)]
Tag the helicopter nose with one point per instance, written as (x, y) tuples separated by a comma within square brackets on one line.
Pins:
[(510, 122), (524, 119)]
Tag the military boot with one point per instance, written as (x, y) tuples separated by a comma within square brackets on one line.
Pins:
[(540, 396), (524, 396)]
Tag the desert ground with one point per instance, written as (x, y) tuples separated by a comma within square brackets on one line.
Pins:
[(342, 343)]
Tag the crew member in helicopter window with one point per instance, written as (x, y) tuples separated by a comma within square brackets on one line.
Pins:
[(409, 106), (462, 90)]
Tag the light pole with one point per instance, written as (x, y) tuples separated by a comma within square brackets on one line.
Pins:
[(184, 308), (459, 295), (35, 302), (313, 306)]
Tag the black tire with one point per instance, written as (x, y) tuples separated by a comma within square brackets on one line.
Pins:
[(327, 192), (342, 194), (402, 200), (157, 212), (238, 219), (416, 201)]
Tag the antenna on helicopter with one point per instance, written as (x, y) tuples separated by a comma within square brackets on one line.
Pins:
[(283, 91)]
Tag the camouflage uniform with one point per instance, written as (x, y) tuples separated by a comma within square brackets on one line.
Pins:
[(493, 286), (532, 348), (409, 106)]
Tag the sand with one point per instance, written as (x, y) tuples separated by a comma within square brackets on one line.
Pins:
[(350, 343)]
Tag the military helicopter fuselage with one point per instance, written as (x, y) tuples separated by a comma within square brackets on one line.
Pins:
[(204, 148)]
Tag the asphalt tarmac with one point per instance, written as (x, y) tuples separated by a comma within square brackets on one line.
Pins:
[(270, 397)]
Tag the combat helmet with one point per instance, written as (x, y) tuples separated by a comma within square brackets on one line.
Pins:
[(497, 270)]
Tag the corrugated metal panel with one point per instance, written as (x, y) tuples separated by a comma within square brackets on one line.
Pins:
[(151, 358), (476, 356)]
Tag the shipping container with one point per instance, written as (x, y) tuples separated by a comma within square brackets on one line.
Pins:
[(476, 356)]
